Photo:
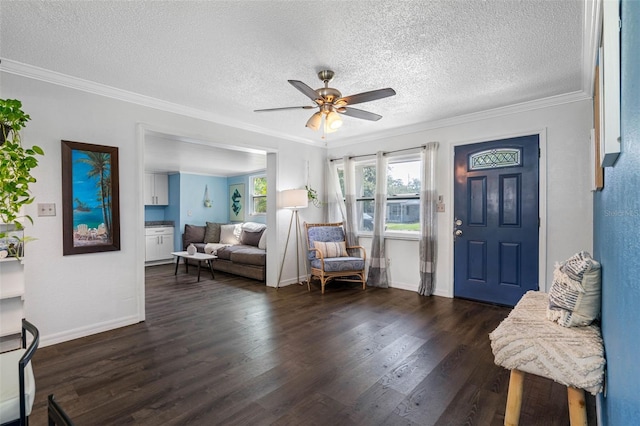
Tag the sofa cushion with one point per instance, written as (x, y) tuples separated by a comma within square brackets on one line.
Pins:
[(262, 244), (230, 234), (248, 255), (193, 234), (212, 233), (251, 238), (243, 254)]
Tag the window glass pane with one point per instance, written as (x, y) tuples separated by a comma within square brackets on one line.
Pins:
[(364, 213), (259, 204), (403, 178), (260, 185), (366, 181), (259, 194), (341, 180)]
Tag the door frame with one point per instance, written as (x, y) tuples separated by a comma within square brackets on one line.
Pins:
[(542, 198)]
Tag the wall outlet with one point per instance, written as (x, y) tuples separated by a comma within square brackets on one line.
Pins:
[(440, 208), (46, 209)]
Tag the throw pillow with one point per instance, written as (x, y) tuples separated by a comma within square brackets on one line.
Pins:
[(253, 226), (331, 249), (193, 234), (574, 297), (262, 244), (212, 233), (230, 234), (250, 238)]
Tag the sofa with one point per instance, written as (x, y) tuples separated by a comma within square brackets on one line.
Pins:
[(241, 247)]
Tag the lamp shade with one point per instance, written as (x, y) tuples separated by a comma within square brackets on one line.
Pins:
[(334, 121), (295, 199), (314, 121)]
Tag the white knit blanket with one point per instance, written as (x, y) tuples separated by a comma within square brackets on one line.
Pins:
[(527, 341)]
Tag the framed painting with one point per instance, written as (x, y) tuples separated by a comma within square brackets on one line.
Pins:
[(90, 198), (236, 202)]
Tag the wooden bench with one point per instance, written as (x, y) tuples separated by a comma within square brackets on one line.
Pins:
[(527, 342)]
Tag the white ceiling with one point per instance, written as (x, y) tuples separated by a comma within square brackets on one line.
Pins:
[(222, 59)]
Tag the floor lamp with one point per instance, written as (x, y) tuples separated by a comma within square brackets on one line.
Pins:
[(294, 199)]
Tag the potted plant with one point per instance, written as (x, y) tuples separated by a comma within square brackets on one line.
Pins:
[(16, 163), (12, 119), (312, 195)]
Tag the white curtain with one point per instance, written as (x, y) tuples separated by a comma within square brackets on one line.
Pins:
[(378, 265), (428, 228), (350, 223), (337, 211)]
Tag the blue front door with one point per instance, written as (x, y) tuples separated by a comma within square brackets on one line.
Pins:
[(496, 220)]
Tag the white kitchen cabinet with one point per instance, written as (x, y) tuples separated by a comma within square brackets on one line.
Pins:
[(156, 189), (11, 302), (159, 244)]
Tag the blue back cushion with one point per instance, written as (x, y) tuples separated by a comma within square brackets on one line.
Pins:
[(324, 234)]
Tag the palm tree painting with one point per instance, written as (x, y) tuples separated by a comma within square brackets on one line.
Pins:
[(90, 198)]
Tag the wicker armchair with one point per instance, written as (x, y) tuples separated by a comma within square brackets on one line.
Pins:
[(330, 257)]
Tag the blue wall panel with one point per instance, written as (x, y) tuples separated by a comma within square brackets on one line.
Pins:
[(617, 241)]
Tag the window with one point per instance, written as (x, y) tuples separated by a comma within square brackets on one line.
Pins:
[(258, 190), (403, 195)]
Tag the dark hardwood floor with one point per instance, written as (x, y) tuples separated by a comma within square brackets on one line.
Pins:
[(232, 351)]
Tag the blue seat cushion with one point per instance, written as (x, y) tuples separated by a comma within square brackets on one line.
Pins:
[(338, 264)]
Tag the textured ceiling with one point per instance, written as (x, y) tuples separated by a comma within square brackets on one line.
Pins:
[(227, 58)]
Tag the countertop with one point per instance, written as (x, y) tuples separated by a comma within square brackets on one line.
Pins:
[(159, 224)]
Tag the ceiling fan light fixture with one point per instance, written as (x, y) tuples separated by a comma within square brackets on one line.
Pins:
[(334, 121), (314, 122)]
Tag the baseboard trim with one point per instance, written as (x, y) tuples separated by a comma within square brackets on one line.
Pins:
[(65, 336)]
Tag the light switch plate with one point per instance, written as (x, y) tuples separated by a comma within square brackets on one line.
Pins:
[(46, 209)]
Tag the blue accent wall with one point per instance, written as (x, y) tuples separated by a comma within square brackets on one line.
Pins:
[(154, 213), (617, 241), (172, 211)]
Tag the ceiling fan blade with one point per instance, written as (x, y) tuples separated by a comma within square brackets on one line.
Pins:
[(358, 113), (366, 96), (308, 91), (279, 109)]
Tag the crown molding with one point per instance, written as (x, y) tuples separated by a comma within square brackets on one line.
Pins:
[(468, 118), (53, 77), (41, 74)]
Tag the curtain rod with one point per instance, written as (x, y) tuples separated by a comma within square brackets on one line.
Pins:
[(383, 153)]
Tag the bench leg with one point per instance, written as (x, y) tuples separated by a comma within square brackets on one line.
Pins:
[(514, 398), (577, 406)]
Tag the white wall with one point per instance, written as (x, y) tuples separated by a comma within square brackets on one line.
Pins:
[(74, 296), (567, 224)]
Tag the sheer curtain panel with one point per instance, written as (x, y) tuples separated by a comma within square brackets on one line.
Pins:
[(378, 264), (428, 229)]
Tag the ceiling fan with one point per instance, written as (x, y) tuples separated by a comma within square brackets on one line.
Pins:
[(331, 103)]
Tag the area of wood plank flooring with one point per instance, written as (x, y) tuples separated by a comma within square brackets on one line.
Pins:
[(232, 351)]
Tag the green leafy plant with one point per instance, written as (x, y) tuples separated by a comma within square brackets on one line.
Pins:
[(12, 118), (312, 195), (16, 163)]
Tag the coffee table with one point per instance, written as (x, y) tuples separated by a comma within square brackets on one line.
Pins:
[(200, 257)]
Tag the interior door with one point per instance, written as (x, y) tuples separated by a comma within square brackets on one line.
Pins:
[(496, 220)]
